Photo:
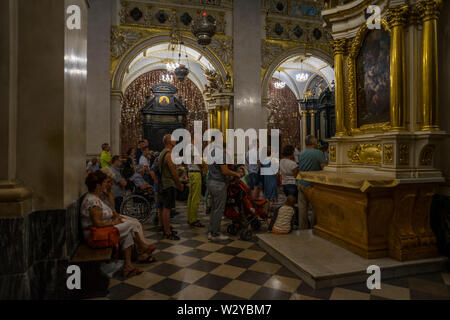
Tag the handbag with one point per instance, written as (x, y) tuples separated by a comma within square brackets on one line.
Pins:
[(100, 238)]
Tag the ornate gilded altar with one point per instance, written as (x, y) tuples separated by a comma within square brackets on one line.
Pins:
[(374, 198)]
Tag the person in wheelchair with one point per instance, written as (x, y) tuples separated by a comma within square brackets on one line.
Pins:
[(141, 186)]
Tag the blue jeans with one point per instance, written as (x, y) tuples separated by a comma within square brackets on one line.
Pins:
[(255, 180)]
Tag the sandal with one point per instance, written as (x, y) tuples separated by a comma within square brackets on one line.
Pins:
[(131, 273), (149, 259), (197, 224), (150, 249)]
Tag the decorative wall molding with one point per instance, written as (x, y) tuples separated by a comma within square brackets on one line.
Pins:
[(169, 15)]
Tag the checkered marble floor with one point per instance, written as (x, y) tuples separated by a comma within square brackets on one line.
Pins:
[(196, 269)]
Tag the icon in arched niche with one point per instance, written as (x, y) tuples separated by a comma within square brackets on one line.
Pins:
[(164, 101)]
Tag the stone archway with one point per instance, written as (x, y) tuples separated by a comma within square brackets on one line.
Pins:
[(135, 98), (282, 103), (121, 65), (118, 72), (282, 58)]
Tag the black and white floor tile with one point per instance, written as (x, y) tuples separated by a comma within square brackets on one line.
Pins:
[(194, 268)]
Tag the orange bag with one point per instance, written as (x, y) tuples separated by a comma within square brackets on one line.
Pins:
[(100, 238)]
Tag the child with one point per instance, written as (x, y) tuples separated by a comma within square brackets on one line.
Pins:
[(282, 219), (243, 170)]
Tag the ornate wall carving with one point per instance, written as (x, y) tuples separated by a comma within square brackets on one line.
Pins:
[(388, 154), (135, 98), (426, 155), (122, 40), (365, 153), (284, 114), (403, 158), (165, 15)]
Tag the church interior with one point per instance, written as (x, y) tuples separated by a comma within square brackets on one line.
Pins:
[(366, 80)]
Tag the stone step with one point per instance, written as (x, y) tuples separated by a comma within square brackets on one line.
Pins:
[(322, 264)]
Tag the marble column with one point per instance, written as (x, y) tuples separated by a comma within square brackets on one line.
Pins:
[(313, 123), (15, 199), (304, 114), (99, 84), (429, 11), (43, 144), (116, 115), (339, 49), (248, 112)]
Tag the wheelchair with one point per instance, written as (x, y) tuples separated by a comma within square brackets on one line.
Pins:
[(139, 204)]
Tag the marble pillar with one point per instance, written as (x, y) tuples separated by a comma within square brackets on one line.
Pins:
[(247, 28), (304, 127), (116, 112), (44, 145), (313, 123), (99, 109)]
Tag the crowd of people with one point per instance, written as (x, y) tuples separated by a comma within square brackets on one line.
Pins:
[(146, 171)]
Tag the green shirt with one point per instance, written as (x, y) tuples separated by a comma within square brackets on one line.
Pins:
[(166, 180), (105, 159), (310, 160)]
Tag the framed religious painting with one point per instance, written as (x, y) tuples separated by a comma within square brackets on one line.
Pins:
[(369, 80)]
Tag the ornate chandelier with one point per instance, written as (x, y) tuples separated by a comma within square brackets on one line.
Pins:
[(302, 76), (279, 84), (171, 66), (181, 72), (204, 30), (167, 78)]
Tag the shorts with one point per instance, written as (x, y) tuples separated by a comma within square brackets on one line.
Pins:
[(167, 198)]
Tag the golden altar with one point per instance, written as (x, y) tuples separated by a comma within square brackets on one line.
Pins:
[(374, 197), (374, 216)]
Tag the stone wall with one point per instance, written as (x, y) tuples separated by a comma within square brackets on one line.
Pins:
[(36, 257)]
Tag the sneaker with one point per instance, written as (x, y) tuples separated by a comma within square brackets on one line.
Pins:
[(220, 237)]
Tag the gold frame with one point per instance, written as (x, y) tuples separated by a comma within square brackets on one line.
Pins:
[(351, 69)]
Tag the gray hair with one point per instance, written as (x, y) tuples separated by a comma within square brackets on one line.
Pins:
[(139, 168), (310, 140)]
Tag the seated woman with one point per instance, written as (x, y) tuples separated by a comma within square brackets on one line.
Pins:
[(145, 255), (95, 213)]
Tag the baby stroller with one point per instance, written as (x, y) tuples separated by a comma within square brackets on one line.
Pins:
[(244, 212)]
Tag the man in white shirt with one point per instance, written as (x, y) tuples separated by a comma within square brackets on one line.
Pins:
[(144, 159)]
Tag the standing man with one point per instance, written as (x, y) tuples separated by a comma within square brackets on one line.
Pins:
[(118, 189), (309, 159), (168, 185), (195, 189), (105, 158), (253, 170), (217, 187)]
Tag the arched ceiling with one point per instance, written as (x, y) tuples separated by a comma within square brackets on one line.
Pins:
[(311, 65), (156, 57)]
